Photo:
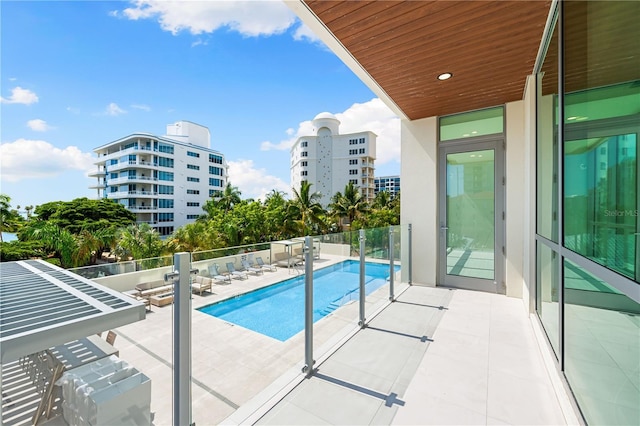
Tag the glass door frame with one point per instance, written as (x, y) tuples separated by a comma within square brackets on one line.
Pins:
[(497, 143)]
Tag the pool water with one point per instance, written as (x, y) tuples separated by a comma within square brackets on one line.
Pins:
[(278, 310)]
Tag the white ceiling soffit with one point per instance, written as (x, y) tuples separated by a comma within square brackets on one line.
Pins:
[(317, 26)]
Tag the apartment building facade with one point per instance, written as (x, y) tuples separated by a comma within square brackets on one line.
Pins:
[(391, 184), (165, 180), (519, 139), (330, 160)]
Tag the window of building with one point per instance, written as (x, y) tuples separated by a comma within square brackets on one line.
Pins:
[(165, 189), (193, 154), (193, 191), (304, 144), (163, 147), (587, 201), (165, 162), (353, 171), (303, 173), (215, 182), (113, 175), (353, 141), (165, 217), (165, 176), (113, 162), (303, 154), (361, 151), (303, 163), (193, 204), (215, 159), (471, 124), (353, 181), (362, 140), (353, 151), (215, 171), (164, 203), (193, 167), (192, 179), (192, 216), (165, 230), (353, 161)]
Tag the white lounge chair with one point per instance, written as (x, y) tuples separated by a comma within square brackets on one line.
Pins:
[(263, 265), (215, 274), (248, 268), (232, 271)]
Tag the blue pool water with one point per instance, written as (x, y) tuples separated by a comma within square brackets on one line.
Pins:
[(278, 310)]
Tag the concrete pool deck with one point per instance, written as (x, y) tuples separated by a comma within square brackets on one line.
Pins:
[(230, 364), (436, 356)]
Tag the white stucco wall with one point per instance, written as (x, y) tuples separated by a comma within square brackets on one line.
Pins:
[(418, 183), (515, 198), (529, 246)]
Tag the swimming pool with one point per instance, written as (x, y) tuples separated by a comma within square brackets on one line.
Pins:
[(278, 310)]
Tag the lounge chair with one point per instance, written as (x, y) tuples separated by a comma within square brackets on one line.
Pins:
[(263, 265), (232, 271), (215, 274), (200, 284), (248, 268)]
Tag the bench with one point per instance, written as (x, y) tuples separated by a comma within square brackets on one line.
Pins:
[(147, 290), (161, 299)]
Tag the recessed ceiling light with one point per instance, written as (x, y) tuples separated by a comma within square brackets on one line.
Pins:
[(445, 76)]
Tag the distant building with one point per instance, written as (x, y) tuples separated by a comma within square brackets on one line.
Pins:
[(329, 160), (391, 184), (164, 180)]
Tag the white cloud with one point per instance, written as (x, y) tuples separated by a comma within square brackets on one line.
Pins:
[(253, 182), (38, 125), (73, 110), (20, 96), (373, 116), (140, 106), (199, 42), (303, 32), (12, 79), (249, 18), (114, 109), (304, 129), (34, 159)]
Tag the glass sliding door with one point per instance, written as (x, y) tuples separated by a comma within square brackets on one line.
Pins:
[(471, 206)]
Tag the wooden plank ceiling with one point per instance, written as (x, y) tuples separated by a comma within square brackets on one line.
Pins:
[(489, 46)]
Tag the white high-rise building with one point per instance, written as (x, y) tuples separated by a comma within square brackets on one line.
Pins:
[(391, 184), (329, 160), (164, 180)]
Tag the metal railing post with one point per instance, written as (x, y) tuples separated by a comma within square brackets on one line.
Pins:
[(362, 320), (308, 307), (410, 254), (391, 265), (181, 278)]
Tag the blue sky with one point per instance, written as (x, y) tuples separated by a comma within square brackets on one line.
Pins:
[(78, 74)]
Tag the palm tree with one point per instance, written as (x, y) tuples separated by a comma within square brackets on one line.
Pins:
[(60, 241), (306, 209), (229, 197), (5, 213), (139, 241), (382, 200), (350, 205)]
